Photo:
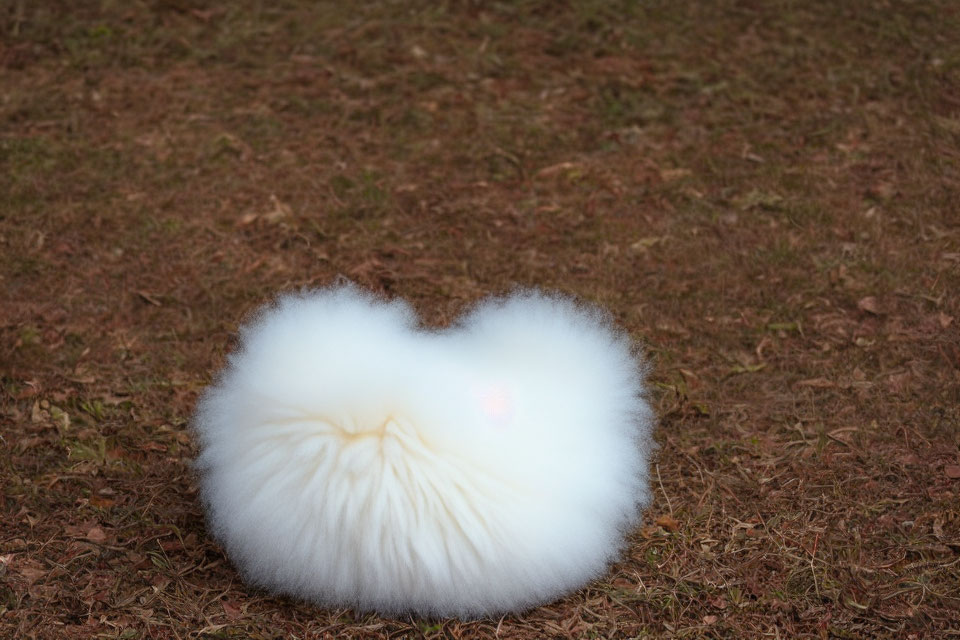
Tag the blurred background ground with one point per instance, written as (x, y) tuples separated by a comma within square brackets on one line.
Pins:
[(765, 194)]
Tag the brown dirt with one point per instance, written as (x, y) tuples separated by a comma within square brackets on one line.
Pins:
[(767, 194)]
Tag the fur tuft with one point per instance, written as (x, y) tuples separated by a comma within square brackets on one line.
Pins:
[(349, 457)]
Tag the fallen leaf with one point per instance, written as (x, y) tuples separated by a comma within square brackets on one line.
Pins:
[(870, 305), (96, 534), (649, 532), (32, 574), (101, 502), (710, 619), (668, 522), (231, 609), (247, 219), (944, 320), (952, 471)]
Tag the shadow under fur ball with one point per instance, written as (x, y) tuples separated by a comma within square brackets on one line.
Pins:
[(350, 457)]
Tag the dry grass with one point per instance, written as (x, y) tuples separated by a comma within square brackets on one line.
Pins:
[(765, 193)]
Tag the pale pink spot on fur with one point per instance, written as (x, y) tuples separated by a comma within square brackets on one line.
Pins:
[(496, 404)]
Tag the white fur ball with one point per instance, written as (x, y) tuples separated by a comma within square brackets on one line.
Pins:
[(352, 458)]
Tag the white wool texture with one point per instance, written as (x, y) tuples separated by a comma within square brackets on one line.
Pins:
[(350, 457)]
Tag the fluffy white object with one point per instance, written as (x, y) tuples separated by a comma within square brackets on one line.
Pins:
[(352, 458)]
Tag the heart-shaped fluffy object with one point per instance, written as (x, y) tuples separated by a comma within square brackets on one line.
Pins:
[(352, 458)]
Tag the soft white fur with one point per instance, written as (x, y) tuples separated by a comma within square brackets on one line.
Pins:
[(352, 458)]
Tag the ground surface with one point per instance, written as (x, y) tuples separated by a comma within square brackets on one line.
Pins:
[(766, 194)]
